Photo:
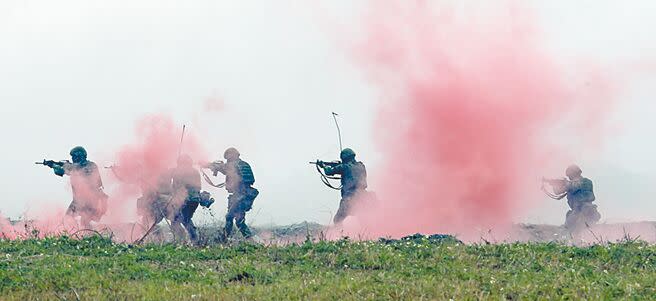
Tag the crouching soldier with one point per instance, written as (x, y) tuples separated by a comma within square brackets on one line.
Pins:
[(239, 179), (580, 195), (185, 198), (176, 197)]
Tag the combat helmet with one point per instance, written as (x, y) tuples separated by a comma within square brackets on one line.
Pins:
[(573, 171), (346, 155), (231, 154), (78, 154)]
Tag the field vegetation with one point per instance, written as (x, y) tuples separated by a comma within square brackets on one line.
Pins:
[(415, 268)]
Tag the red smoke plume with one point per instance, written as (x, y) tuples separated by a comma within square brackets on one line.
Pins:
[(153, 152), (469, 96)]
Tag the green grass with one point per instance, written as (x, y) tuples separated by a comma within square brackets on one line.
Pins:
[(419, 269)]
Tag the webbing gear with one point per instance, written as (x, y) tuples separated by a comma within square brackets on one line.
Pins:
[(209, 181), (326, 178)]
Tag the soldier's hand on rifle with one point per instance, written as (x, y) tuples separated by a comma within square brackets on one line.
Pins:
[(49, 163)]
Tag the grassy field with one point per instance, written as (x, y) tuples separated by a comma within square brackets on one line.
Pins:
[(415, 269)]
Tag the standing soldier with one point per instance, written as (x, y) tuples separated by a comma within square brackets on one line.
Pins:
[(238, 182), (353, 178), (89, 200), (580, 195)]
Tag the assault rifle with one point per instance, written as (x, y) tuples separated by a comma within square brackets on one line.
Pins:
[(213, 166), (559, 187), (52, 163), (320, 163), (325, 178)]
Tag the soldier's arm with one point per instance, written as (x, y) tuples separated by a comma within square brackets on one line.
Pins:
[(217, 167), (58, 170), (334, 170), (559, 186), (64, 169)]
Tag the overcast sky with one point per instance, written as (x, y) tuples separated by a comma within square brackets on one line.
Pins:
[(82, 72)]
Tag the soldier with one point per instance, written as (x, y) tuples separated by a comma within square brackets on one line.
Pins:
[(149, 193), (89, 200), (353, 178), (580, 195), (175, 196), (238, 182), (185, 198)]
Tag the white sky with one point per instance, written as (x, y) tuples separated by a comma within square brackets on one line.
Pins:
[(81, 72)]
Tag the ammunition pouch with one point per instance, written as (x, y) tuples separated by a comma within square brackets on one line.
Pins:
[(250, 194), (243, 199)]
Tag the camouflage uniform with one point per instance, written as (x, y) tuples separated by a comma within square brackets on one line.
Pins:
[(89, 200), (354, 182), (580, 196), (239, 181), (152, 204), (185, 184)]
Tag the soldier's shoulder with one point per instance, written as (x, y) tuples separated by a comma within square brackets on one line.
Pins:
[(90, 166)]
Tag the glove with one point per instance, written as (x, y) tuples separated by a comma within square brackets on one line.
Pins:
[(49, 163), (207, 203), (205, 199)]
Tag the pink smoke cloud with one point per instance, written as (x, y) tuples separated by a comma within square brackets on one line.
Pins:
[(152, 153), (467, 98)]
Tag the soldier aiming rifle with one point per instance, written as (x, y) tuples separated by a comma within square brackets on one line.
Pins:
[(89, 200), (353, 178), (580, 195)]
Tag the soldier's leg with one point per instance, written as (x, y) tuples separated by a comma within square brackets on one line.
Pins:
[(191, 230), (342, 212), (230, 215), (240, 220), (85, 220), (570, 220), (178, 230), (590, 213), (72, 209), (228, 224), (187, 213)]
